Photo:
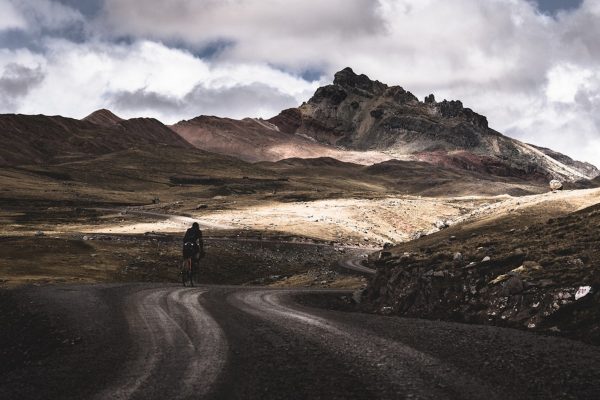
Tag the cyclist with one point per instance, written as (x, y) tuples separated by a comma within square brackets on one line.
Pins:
[(194, 236)]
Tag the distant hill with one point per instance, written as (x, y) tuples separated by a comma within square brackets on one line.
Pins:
[(40, 139)]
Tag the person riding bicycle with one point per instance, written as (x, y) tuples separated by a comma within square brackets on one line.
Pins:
[(193, 246)]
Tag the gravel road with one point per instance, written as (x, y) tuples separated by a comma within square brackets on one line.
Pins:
[(140, 341)]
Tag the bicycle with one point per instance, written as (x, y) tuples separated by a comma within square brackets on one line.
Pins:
[(187, 271)]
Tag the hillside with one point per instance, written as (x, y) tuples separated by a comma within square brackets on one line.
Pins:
[(40, 139), (518, 263), (253, 139)]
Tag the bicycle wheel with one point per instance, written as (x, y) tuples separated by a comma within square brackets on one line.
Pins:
[(182, 272), (185, 272)]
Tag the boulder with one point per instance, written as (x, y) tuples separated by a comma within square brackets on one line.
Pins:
[(514, 285), (556, 184)]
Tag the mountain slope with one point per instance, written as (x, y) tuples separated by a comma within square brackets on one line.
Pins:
[(253, 139), (37, 139), (360, 114)]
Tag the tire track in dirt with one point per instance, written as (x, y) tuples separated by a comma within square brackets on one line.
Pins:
[(406, 370), (179, 348)]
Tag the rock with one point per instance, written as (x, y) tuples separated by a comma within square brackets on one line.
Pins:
[(201, 206), (377, 113), (457, 257), (430, 99), (39, 233), (85, 238), (386, 310), (514, 285), (582, 291), (439, 274), (486, 259), (452, 237), (441, 224), (387, 245), (357, 295), (556, 184), (519, 252)]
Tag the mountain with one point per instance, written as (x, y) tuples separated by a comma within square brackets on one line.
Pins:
[(359, 120), (254, 139), (358, 113), (40, 139)]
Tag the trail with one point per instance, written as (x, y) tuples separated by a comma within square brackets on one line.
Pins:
[(227, 342)]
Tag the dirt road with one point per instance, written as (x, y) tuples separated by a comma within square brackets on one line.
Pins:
[(134, 341)]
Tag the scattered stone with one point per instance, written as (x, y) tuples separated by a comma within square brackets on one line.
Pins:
[(386, 310), (453, 237), (556, 185), (39, 233), (457, 257), (486, 259), (582, 292), (441, 224), (546, 282), (513, 286), (201, 206), (85, 237)]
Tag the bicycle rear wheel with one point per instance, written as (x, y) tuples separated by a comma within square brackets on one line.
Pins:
[(186, 272)]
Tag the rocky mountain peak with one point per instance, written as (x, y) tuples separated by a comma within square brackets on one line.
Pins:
[(357, 113), (346, 78)]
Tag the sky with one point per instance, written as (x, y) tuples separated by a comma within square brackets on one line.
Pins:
[(532, 67)]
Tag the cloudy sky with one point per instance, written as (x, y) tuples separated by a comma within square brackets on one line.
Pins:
[(532, 67)]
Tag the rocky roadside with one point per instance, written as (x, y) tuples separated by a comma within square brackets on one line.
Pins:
[(542, 277)]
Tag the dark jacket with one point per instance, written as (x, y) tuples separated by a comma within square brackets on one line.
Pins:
[(194, 236)]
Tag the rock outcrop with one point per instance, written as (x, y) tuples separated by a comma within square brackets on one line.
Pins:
[(358, 113), (542, 277)]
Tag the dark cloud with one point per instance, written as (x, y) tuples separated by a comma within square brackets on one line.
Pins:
[(553, 6), (89, 8), (16, 82), (238, 101), (143, 99)]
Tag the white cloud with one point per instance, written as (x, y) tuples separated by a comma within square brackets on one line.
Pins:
[(10, 18), (170, 84)]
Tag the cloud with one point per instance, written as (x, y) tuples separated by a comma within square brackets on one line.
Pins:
[(46, 14), (16, 82), (10, 18), (243, 100), (146, 78)]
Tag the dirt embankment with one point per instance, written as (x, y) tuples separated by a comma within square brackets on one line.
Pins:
[(534, 268)]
